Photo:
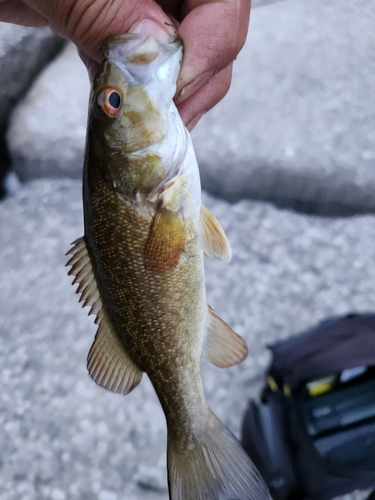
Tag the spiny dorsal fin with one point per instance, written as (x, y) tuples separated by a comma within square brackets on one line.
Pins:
[(166, 241), (108, 362), (223, 348), (213, 238), (81, 268)]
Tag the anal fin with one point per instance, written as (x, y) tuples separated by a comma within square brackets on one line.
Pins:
[(213, 238), (108, 363), (223, 347)]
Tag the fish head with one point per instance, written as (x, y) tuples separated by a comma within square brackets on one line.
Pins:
[(132, 118)]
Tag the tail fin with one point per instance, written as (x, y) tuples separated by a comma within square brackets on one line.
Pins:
[(213, 468)]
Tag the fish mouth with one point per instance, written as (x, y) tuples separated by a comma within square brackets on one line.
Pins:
[(124, 38), (143, 59), (120, 47)]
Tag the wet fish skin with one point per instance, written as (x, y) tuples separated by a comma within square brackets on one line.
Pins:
[(140, 265)]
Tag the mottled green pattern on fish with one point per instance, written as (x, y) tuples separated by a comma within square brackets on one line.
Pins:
[(140, 265), (157, 315)]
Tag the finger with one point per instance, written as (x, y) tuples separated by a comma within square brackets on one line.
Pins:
[(173, 7), (91, 65), (17, 12), (87, 23), (205, 98), (213, 33)]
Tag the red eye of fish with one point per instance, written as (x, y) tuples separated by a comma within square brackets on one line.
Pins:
[(110, 101)]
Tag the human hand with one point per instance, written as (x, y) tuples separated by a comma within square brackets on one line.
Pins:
[(213, 32)]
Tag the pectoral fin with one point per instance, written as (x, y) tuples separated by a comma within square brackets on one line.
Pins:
[(108, 362), (213, 238), (166, 241), (223, 348)]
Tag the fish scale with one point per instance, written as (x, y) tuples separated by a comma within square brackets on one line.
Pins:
[(132, 307), (140, 265)]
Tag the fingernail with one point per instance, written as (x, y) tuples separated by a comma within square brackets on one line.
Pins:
[(192, 87), (163, 32)]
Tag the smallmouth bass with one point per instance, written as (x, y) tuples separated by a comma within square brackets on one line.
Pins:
[(140, 267)]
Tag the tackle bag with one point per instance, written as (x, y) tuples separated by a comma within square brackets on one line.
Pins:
[(312, 436)]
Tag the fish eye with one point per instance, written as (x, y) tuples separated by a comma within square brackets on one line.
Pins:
[(110, 101), (114, 99)]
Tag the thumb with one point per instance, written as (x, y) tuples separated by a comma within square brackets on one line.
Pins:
[(88, 25), (213, 33)]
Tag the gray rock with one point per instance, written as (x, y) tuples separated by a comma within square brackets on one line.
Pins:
[(11, 184), (263, 3), (23, 52), (63, 437), (297, 126), (151, 478), (46, 136), (47, 130)]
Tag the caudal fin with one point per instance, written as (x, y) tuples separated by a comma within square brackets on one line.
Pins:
[(214, 467)]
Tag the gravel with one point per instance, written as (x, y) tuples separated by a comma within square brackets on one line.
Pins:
[(63, 437)]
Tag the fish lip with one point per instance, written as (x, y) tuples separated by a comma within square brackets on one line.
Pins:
[(113, 41)]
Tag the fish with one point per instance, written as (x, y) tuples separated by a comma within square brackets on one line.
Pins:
[(140, 265)]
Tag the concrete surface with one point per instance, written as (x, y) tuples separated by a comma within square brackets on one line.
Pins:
[(297, 126), (47, 131), (64, 438), (23, 52)]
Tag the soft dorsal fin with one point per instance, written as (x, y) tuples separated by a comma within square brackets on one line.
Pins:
[(108, 362), (223, 348), (166, 240), (213, 238)]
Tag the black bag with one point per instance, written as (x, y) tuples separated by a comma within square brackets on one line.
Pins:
[(313, 434)]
